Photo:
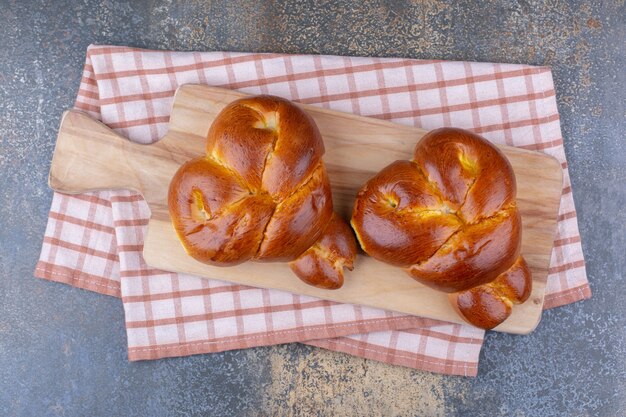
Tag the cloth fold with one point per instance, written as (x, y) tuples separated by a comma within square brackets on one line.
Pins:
[(94, 241)]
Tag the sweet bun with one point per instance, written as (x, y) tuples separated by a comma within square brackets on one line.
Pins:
[(261, 193), (448, 217)]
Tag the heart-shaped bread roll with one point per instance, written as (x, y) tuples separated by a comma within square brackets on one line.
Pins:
[(450, 218), (261, 193)]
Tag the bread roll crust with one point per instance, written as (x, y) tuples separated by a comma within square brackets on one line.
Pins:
[(323, 263), (488, 305), (260, 193), (448, 216)]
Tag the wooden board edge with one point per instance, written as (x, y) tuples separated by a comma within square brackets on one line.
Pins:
[(155, 260), (366, 119), (55, 154)]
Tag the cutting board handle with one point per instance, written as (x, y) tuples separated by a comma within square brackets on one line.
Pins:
[(89, 156)]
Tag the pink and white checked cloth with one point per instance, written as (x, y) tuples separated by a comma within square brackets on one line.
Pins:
[(94, 241)]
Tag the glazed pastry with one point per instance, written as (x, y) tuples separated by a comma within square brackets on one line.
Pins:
[(449, 218), (261, 193)]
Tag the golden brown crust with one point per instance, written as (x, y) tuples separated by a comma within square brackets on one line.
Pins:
[(214, 215), (260, 193), (488, 305), (449, 216), (473, 177), (475, 255), (272, 143), (298, 220), (322, 264), (398, 220)]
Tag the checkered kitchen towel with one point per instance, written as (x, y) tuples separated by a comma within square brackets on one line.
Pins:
[(94, 241)]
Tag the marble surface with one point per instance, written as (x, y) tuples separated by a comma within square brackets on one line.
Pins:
[(63, 350)]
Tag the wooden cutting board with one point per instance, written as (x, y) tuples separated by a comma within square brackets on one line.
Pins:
[(89, 156)]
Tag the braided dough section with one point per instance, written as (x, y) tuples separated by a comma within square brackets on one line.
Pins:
[(448, 216), (323, 263), (260, 193), (490, 304)]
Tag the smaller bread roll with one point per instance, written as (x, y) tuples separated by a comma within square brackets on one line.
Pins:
[(488, 305), (449, 218)]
